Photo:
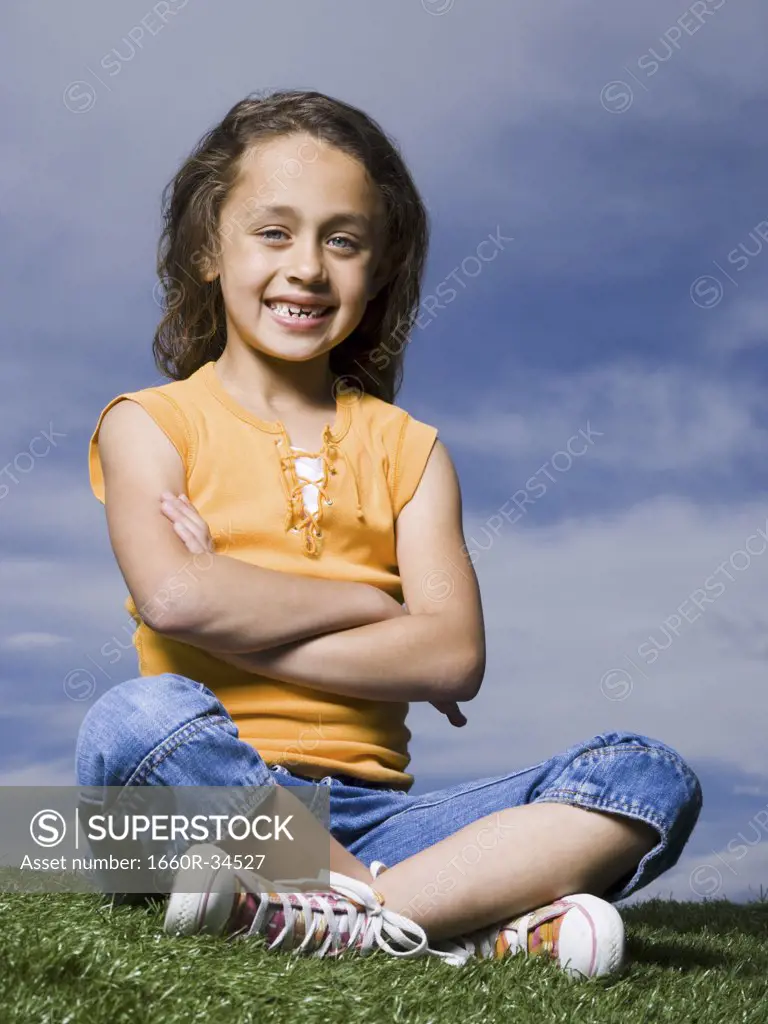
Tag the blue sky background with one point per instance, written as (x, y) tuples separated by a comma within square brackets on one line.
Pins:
[(622, 149)]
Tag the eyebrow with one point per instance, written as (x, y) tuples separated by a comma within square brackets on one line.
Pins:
[(346, 216)]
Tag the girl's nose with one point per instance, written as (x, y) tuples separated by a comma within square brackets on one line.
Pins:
[(305, 262)]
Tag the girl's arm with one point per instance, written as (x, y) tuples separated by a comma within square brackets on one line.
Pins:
[(434, 651), (210, 600), (290, 607)]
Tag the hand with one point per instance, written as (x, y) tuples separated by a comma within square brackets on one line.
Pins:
[(452, 710), (187, 522)]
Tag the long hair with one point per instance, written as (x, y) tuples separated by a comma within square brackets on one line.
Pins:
[(192, 330)]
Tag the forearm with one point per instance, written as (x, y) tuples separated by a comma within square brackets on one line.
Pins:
[(227, 605), (408, 658)]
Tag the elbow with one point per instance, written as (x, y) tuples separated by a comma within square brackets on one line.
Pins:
[(168, 617), (467, 685)]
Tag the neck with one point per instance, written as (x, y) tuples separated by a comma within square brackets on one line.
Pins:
[(278, 385)]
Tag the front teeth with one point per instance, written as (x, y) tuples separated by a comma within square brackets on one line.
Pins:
[(297, 311)]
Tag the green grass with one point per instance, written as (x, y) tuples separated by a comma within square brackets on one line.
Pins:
[(67, 958)]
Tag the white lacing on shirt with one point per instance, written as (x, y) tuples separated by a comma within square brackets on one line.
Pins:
[(323, 461)]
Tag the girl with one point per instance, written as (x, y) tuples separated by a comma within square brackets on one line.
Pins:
[(281, 654)]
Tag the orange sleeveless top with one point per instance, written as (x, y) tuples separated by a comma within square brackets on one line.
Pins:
[(335, 520)]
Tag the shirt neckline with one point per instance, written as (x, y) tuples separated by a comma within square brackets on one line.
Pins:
[(339, 428)]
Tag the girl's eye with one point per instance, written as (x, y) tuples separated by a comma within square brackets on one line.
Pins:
[(348, 241)]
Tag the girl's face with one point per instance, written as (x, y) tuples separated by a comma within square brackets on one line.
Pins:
[(302, 226)]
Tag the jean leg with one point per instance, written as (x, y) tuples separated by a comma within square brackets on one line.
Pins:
[(622, 773), (640, 778), (165, 730)]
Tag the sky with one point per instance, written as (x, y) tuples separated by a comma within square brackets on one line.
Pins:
[(600, 382)]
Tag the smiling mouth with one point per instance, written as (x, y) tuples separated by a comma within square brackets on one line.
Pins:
[(299, 312)]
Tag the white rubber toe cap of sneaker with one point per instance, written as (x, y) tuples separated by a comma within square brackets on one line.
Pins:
[(189, 913), (591, 940)]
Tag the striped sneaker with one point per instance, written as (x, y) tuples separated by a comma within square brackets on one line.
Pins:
[(582, 933), (319, 924)]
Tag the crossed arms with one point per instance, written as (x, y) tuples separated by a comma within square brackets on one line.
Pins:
[(348, 638)]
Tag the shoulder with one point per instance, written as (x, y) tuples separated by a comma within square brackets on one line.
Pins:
[(394, 419), (173, 393), (408, 442), (168, 406)]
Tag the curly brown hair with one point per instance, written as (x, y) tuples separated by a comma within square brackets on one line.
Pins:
[(192, 330)]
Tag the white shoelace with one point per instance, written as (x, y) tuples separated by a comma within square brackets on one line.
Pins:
[(453, 953), (374, 925)]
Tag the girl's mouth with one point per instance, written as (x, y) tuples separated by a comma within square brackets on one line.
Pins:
[(300, 317)]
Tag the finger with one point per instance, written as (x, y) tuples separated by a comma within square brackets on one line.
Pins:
[(188, 514), (451, 711), (197, 526), (177, 516), (183, 530), (182, 508), (190, 509), (455, 715), (197, 522), (190, 540)]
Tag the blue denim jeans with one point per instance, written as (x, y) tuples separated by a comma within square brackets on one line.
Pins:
[(172, 731)]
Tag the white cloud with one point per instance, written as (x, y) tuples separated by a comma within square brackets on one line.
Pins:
[(750, 791), (641, 420), (740, 326), (31, 641)]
